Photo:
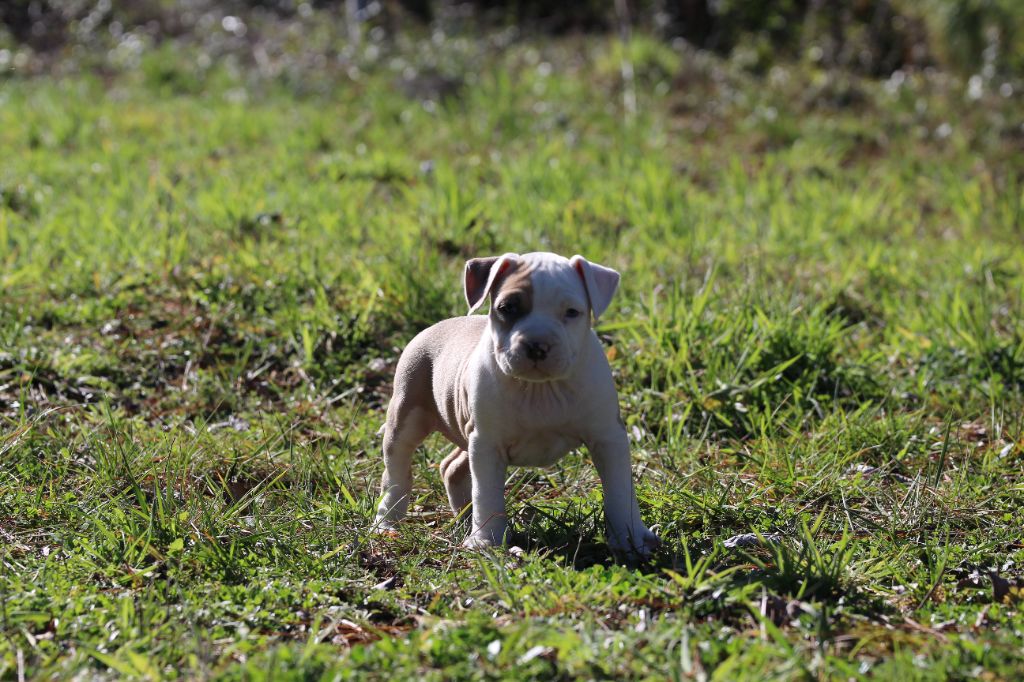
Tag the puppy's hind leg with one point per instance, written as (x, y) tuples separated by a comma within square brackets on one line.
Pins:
[(457, 481), (403, 433)]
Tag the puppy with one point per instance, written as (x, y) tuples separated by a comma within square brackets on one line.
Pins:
[(521, 386)]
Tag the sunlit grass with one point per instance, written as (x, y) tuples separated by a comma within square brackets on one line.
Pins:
[(818, 344)]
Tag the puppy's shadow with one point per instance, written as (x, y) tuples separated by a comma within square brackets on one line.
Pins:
[(567, 530), (573, 537)]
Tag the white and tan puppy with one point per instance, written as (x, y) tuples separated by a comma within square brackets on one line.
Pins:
[(522, 386)]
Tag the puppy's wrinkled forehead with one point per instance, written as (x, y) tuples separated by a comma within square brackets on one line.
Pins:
[(537, 278), (517, 284)]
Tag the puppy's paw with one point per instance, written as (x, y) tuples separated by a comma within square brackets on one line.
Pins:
[(477, 542), (385, 527), (484, 538), (636, 543)]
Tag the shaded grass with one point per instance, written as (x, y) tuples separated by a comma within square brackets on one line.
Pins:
[(818, 342)]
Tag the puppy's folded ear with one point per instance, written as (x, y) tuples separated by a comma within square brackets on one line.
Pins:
[(600, 282), (481, 274)]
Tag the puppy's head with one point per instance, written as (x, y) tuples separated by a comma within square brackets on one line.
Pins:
[(541, 307)]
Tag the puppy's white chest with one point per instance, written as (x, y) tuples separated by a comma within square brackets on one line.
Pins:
[(535, 424)]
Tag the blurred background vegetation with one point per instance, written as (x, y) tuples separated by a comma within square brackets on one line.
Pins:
[(983, 38)]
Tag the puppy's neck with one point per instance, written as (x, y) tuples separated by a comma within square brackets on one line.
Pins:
[(542, 397)]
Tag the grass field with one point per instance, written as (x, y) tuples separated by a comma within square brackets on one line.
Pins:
[(206, 279)]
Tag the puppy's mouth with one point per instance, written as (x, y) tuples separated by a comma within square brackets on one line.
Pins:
[(518, 366)]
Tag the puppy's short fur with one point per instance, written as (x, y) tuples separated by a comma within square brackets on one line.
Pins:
[(521, 386)]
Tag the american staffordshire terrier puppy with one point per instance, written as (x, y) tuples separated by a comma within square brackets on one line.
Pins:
[(521, 386)]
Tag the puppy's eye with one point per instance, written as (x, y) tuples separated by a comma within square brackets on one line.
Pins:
[(509, 308), (572, 312)]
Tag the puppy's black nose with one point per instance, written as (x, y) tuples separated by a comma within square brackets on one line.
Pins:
[(535, 350)]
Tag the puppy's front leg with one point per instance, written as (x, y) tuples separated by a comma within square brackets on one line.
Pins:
[(626, 531), (487, 469)]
